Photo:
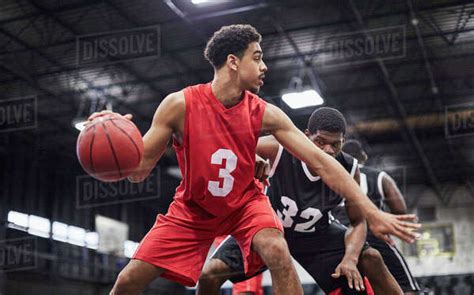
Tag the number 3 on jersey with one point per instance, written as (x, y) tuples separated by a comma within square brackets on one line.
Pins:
[(224, 173), (290, 209)]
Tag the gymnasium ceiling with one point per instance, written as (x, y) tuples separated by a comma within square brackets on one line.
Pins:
[(396, 106)]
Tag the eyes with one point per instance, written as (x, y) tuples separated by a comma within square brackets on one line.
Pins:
[(319, 142)]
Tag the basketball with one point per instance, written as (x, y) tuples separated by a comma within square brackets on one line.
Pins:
[(110, 148)]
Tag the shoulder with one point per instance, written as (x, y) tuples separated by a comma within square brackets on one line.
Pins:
[(172, 109), (345, 159), (370, 170), (274, 118), (175, 100)]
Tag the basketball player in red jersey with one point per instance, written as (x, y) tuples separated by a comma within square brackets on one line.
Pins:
[(215, 128)]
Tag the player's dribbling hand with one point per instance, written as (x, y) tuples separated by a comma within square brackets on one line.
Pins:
[(383, 224), (105, 113), (349, 269), (262, 169)]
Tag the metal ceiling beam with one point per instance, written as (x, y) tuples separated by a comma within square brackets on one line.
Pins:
[(58, 64), (264, 35), (269, 60), (421, 44), (434, 25), (58, 124), (306, 64), (172, 53), (63, 8), (74, 31), (434, 90), (401, 112)]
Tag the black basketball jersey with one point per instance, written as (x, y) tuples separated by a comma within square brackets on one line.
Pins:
[(371, 184), (302, 200)]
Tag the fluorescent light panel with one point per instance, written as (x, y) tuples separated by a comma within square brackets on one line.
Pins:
[(18, 218), (60, 231), (40, 226), (307, 98)]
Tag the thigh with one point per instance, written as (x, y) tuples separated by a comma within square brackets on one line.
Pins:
[(396, 264), (230, 253), (255, 216), (178, 246), (140, 272)]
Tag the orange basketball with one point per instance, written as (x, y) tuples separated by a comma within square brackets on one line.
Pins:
[(110, 148)]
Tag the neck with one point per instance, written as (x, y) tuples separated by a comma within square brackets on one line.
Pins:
[(226, 90)]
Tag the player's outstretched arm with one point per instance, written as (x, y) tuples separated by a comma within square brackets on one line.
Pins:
[(393, 197), (354, 241), (334, 175), (155, 140)]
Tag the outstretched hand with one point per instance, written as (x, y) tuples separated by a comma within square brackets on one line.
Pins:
[(383, 224), (349, 270)]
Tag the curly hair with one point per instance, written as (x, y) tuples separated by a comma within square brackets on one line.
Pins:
[(233, 39), (327, 119)]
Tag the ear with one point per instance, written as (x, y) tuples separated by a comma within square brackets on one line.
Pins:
[(364, 154), (233, 62), (307, 133)]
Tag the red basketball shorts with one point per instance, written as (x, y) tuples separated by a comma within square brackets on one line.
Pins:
[(252, 285), (179, 241)]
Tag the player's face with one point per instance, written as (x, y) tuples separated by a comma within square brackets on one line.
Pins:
[(251, 68), (329, 142)]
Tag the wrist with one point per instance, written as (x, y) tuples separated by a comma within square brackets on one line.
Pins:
[(351, 257), (370, 213)]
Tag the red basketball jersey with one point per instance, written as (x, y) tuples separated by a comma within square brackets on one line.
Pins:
[(217, 153)]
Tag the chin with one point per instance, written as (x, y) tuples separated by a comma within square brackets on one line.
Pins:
[(254, 90)]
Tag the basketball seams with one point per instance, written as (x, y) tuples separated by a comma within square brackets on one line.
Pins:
[(129, 137), (112, 148), (90, 149), (115, 152)]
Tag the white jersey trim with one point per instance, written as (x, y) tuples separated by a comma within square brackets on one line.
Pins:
[(308, 174), (354, 167), (276, 161), (411, 280), (379, 184)]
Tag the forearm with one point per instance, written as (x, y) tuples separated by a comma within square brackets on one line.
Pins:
[(354, 241), (337, 178), (153, 150)]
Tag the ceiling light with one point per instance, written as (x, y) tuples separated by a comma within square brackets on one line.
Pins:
[(307, 98)]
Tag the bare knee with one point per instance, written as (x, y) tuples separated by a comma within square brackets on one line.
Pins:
[(214, 274), (126, 284), (371, 256), (273, 250), (371, 260), (135, 277)]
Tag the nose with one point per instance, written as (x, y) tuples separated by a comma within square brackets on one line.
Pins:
[(327, 148), (264, 67)]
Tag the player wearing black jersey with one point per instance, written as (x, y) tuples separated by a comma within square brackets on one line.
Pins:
[(329, 252), (382, 190)]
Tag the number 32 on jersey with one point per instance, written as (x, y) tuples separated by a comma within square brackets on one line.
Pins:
[(290, 210)]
